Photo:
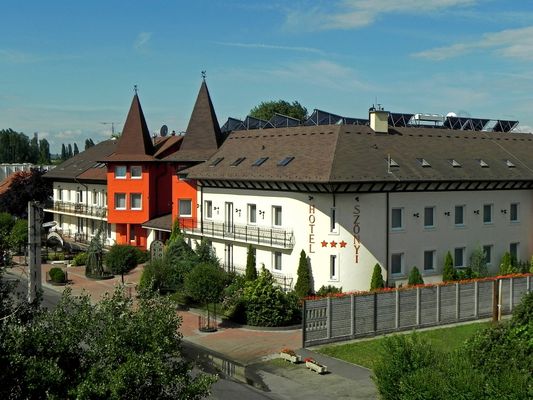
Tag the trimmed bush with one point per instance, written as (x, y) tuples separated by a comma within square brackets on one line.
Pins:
[(328, 290), (121, 259), (142, 255), (57, 275), (251, 270), (377, 281), (415, 278), (303, 283), (158, 275), (448, 272), (233, 303), (79, 259), (205, 283)]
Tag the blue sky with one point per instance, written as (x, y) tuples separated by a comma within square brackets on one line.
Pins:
[(67, 66)]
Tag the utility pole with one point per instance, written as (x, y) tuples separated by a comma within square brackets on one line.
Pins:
[(34, 250)]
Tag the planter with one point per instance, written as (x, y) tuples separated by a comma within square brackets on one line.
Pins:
[(315, 366), (295, 359)]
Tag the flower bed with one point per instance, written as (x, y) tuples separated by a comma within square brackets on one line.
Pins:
[(314, 365), (290, 355)]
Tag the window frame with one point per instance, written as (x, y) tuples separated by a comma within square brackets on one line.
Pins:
[(433, 260), (117, 197), (140, 196), (517, 250), (251, 210), (433, 213), (490, 247), (275, 214), (334, 273), (402, 266), (277, 261), (135, 167), (463, 213), (117, 167), (401, 226), (463, 252), (517, 213), (491, 214), (208, 205), (180, 215)]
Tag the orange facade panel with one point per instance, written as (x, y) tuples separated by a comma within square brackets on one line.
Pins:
[(185, 205)]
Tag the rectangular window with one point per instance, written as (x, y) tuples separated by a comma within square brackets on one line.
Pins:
[(397, 219), (208, 204), (136, 172), (459, 215), (429, 217), (228, 257), (79, 196), (513, 217), (185, 208), (487, 253), (459, 254), (396, 264), (277, 261), (80, 225), (120, 172), (67, 195), (333, 268), (429, 260), (333, 220), (59, 194), (132, 232), (487, 213), (276, 215), (108, 231), (95, 198), (136, 201), (513, 249), (120, 201), (252, 213)]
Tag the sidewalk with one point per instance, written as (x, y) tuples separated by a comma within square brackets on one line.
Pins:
[(239, 352)]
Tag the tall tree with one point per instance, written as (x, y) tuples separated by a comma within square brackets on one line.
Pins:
[(266, 109), (14, 147), (377, 281), (34, 150), (44, 152), (69, 151), (64, 154), (88, 143), (303, 283), (251, 270), (76, 151)]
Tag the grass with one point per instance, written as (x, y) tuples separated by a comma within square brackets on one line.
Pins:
[(365, 352)]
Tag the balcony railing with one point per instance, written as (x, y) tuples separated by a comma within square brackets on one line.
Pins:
[(78, 208), (283, 280), (275, 237)]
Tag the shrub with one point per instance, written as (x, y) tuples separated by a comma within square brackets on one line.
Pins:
[(448, 272), (205, 253), (328, 290), (205, 283), (415, 278), (57, 275), (303, 283), (79, 259), (377, 281), (121, 259), (251, 270), (141, 255), (158, 275), (508, 264), (233, 302), (478, 263)]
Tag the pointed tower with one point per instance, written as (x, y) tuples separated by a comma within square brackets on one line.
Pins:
[(135, 139)]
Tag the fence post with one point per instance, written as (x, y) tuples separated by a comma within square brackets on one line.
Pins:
[(476, 299), (495, 300), (438, 304), (397, 309), (417, 306), (528, 283), (304, 325), (375, 312), (457, 301), (328, 317), (511, 295), (352, 315)]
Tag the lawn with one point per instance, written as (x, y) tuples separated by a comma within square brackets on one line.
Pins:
[(364, 352)]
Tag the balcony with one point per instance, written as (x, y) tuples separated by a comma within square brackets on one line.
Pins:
[(285, 281), (273, 237), (77, 209)]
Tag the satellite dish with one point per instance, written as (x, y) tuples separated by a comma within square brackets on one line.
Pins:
[(163, 131), (451, 114)]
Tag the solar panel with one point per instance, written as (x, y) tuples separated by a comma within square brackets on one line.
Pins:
[(355, 121), (283, 121), (232, 124), (466, 123), (254, 123), (319, 117), (504, 126), (399, 119)]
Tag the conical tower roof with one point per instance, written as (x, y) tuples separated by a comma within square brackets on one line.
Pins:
[(135, 138)]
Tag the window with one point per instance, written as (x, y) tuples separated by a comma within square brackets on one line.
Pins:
[(487, 213), (60, 221), (252, 213), (208, 204), (396, 264), (79, 196), (429, 217), (459, 215), (120, 172), (333, 268), (392, 163), (108, 231), (513, 249), (59, 194), (120, 201), (80, 225), (237, 161), (95, 198), (276, 215), (514, 212), (509, 163), (277, 261), (136, 172), (185, 208), (424, 163), (136, 201), (259, 161), (487, 253), (455, 163), (132, 232), (429, 260), (333, 220), (216, 161), (483, 164), (285, 161), (459, 254), (67, 195), (397, 218)]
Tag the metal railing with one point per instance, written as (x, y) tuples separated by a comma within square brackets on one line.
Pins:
[(275, 237), (283, 280), (77, 208)]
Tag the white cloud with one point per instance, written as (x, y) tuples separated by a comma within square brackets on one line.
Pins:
[(514, 43), (142, 41), (353, 14), (17, 57), (272, 47)]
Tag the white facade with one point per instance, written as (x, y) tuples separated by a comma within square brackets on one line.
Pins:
[(345, 235)]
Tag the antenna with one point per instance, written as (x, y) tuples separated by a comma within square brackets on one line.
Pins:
[(112, 127), (203, 75), (135, 89)]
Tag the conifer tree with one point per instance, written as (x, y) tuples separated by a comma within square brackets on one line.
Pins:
[(303, 283), (377, 281), (63, 152), (251, 270), (448, 272), (76, 150), (415, 278), (69, 151)]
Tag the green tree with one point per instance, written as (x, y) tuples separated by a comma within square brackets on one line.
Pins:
[(478, 263), (415, 278), (88, 143), (205, 284), (44, 152), (34, 150), (251, 270), (266, 110), (6, 225), (69, 151), (507, 264), (18, 237), (76, 150), (303, 283), (205, 253), (121, 259), (448, 272), (110, 350), (377, 281), (26, 186), (64, 154), (14, 147)]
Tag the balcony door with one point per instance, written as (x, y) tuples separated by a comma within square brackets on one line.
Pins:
[(228, 257), (228, 218)]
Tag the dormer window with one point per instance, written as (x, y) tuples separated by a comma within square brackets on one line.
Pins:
[(455, 163), (392, 163), (509, 164), (483, 164), (423, 162)]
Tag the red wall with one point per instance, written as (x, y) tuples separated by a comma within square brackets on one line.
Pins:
[(184, 189)]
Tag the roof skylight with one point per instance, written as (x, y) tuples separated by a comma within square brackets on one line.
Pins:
[(510, 164), (285, 161), (216, 161), (483, 164), (237, 161), (455, 163), (424, 163), (392, 163), (259, 161)]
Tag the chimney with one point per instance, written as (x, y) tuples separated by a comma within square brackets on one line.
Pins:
[(379, 119)]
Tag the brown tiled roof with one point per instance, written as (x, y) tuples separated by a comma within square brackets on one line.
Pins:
[(162, 223), (83, 162), (167, 145), (354, 153), (135, 138), (203, 136)]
